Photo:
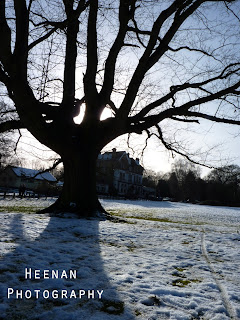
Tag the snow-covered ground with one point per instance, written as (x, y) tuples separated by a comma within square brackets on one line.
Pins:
[(166, 261)]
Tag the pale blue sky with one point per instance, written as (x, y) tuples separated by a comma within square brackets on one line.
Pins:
[(207, 135)]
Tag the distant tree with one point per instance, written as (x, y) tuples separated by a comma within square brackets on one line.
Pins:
[(5, 153), (174, 187), (223, 184), (188, 176), (225, 175), (190, 187), (7, 144), (183, 167), (163, 188), (147, 61), (150, 178)]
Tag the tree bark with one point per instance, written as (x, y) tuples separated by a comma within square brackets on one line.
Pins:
[(79, 193)]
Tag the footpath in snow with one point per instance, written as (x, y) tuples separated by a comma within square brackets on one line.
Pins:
[(166, 261)]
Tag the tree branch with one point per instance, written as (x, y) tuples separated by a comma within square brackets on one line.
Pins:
[(90, 88), (224, 74), (21, 43), (11, 125), (124, 16), (17, 142), (4, 78), (194, 50), (184, 11), (56, 163), (184, 120), (152, 55), (212, 118), (68, 102), (41, 39), (5, 35), (169, 147), (183, 110)]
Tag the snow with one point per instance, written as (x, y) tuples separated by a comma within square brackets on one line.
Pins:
[(166, 261), (30, 173)]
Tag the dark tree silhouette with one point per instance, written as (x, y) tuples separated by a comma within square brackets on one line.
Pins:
[(7, 141), (147, 61), (223, 185)]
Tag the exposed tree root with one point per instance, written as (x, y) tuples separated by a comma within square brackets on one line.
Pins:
[(56, 209)]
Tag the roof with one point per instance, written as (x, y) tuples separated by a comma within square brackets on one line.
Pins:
[(36, 174), (118, 156)]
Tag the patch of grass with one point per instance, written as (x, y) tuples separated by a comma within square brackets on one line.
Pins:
[(184, 282), (195, 280), (9, 241), (123, 214), (110, 243), (137, 313), (180, 269), (217, 260), (118, 214), (149, 218), (131, 247), (20, 209), (154, 219), (122, 221), (156, 301), (112, 307), (113, 244), (180, 282)]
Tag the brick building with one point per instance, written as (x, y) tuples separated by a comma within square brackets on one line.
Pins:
[(119, 174)]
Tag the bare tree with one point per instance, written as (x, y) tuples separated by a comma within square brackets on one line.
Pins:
[(147, 61), (224, 184), (8, 139)]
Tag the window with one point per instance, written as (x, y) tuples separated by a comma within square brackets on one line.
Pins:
[(122, 176)]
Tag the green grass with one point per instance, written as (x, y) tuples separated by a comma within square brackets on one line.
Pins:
[(149, 217), (180, 269), (184, 282), (20, 209), (180, 282), (9, 241), (137, 313)]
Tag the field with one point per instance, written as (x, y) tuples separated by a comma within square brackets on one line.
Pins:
[(161, 260)]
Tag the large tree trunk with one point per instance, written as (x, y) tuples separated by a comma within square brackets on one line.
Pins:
[(79, 192)]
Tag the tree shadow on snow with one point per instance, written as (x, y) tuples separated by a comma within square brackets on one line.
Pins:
[(57, 243)]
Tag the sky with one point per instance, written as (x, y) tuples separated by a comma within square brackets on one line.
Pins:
[(222, 140)]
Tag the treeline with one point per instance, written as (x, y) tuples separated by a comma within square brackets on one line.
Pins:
[(184, 183)]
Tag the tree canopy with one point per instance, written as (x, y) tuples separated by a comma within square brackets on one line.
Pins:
[(146, 61), (220, 187)]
